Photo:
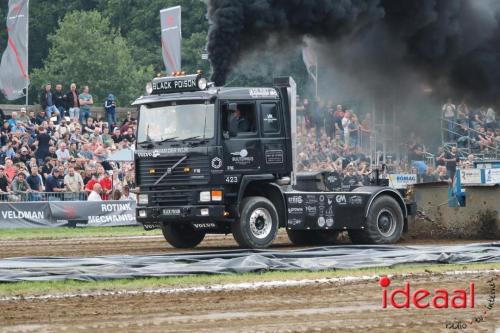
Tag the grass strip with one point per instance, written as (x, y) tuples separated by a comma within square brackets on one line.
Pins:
[(78, 232), (72, 286)]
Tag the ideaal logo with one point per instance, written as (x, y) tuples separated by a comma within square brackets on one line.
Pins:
[(423, 298), (440, 298)]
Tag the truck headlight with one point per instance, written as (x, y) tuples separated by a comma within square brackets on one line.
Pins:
[(205, 196), (142, 213), (143, 199)]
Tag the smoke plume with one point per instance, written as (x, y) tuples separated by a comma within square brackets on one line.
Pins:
[(450, 45)]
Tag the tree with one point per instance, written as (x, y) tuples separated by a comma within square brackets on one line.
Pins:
[(85, 50)]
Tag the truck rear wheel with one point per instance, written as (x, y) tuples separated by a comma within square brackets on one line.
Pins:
[(258, 223), (384, 223), (312, 237), (182, 235)]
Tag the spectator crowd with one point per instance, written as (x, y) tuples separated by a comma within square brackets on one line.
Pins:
[(331, 137), (62, 151)]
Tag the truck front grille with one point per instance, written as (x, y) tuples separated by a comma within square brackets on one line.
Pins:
[(194, 170)]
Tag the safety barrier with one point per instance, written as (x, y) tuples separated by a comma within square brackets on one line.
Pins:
[(64, 213)]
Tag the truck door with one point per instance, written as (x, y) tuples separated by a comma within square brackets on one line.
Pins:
[(241, 142), (273, 141)]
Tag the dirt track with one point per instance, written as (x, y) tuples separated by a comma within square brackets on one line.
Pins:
[(327, 307), (97, 246)]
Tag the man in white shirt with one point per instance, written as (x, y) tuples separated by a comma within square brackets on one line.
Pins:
[(448, 110), (126, 195), (346, 120), (62, 153), (95, 194), (73, 182)]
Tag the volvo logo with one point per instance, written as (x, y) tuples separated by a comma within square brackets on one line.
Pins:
[(216, 163)]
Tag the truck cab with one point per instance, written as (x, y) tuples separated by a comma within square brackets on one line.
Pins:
[(222, 160)]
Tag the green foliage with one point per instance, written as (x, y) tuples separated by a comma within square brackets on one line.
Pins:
[(85, 50), (114, 45)]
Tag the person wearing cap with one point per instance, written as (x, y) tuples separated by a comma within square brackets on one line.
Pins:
[(238, 123), (24, 118), (52, 184), (24, 155), (110, 107)]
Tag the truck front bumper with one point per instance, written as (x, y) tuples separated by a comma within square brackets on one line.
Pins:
[(199, 213)]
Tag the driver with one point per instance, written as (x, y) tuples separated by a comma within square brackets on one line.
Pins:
[(238, 123)]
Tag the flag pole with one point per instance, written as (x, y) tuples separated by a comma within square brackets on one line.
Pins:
[(27, 52)]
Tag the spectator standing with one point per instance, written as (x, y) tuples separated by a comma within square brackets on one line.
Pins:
[(86, 101), (60, 101), (53, 185), (73, 183), (451, 158), (47, 101), (36, 184), (346, 120), (490, 121), (110, 107), (463, 113), (73, 103), (448, 113), (4, 182)]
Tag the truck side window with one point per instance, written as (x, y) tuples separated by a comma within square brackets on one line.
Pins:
[(270, 120), (239, 120)]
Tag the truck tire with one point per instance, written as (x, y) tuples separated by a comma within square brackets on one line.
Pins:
[(258, 223), (182, 235), (312, 237), (384, 223)]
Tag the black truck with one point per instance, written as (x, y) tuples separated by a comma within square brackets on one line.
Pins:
[(222, 160)]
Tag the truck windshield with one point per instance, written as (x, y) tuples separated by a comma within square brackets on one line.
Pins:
[(176, 122)]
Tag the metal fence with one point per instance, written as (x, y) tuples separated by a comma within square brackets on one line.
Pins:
[(42, 196)]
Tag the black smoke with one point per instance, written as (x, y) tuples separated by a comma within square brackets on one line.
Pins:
[(451, 45)]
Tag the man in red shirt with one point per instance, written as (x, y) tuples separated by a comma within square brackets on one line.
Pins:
[(107, 186), (89, 187)]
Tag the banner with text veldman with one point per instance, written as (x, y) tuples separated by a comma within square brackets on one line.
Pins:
[(59, 213)]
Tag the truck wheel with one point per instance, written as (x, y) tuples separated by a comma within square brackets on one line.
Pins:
[(384, 224), (182, 235), (312, 237), (258, 223)]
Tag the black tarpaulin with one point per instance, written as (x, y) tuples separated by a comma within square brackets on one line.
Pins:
[(240, 261)]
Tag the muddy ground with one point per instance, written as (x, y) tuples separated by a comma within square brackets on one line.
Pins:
[(323, 307)]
